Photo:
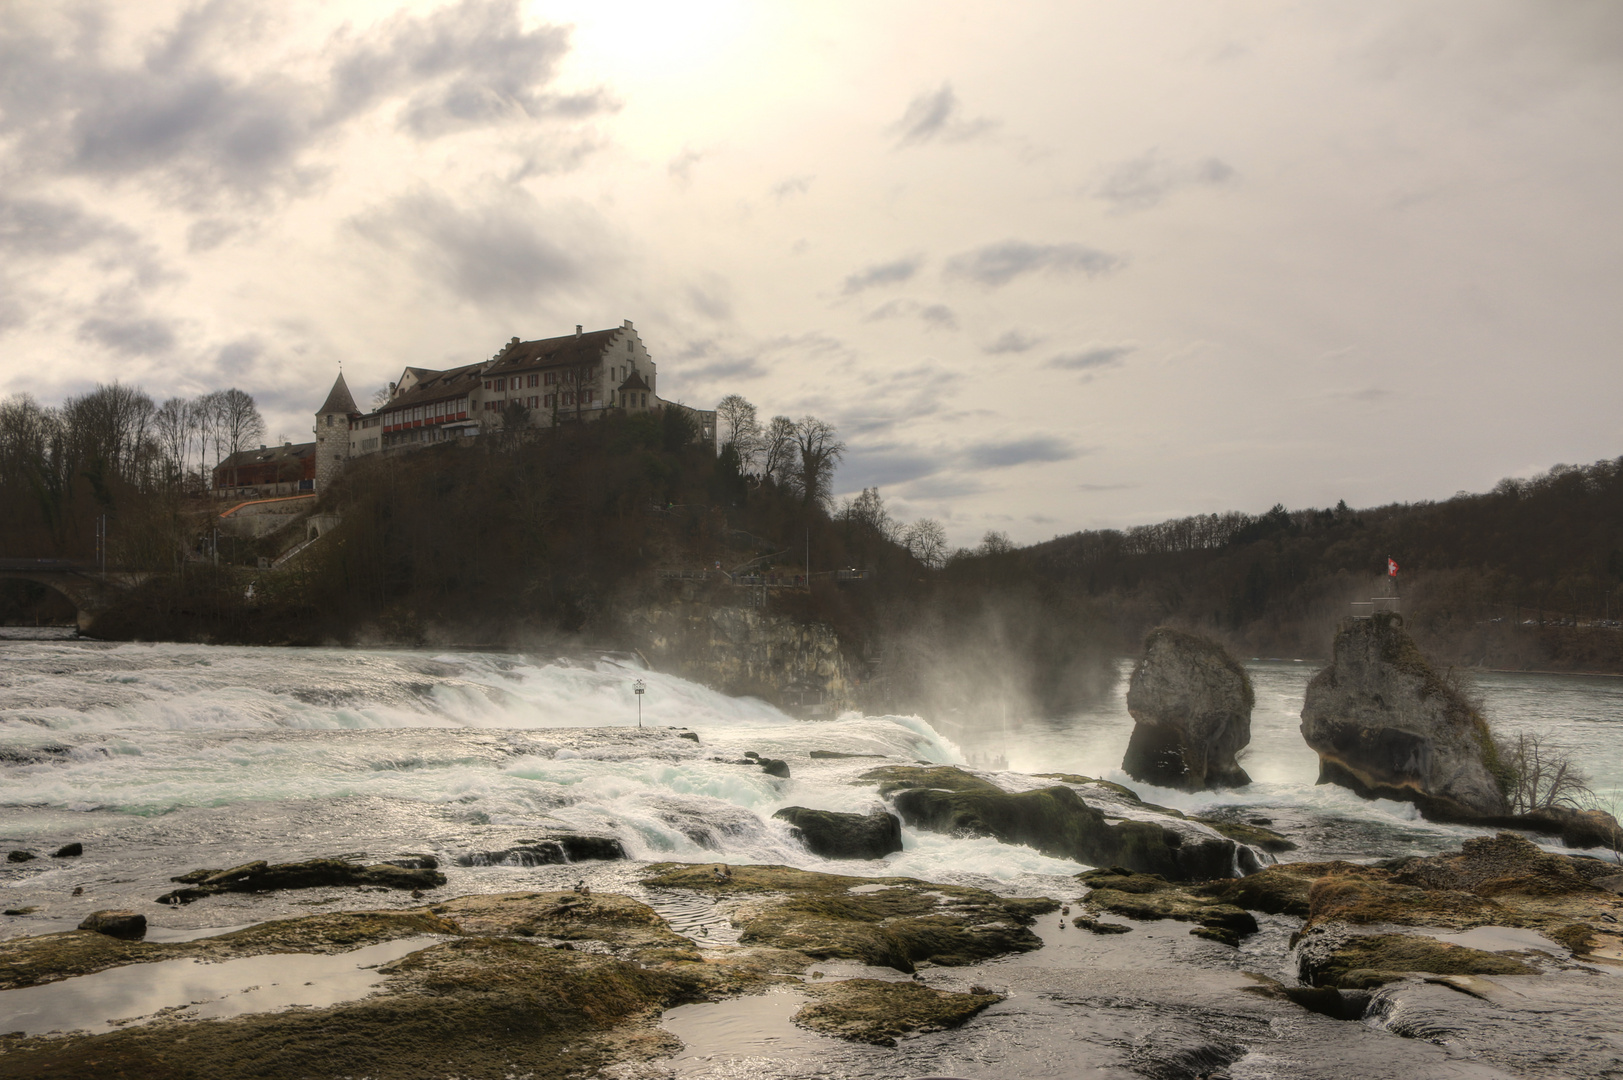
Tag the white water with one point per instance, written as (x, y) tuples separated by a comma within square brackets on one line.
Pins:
[(163, 758)]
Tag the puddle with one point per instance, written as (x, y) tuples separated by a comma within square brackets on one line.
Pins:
[(740, 1029), (1504, 939), (193, 989)]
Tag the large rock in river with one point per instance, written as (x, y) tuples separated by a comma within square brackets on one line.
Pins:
[(834, 835), (1389, 727), (1191, 705), (1055, 821)]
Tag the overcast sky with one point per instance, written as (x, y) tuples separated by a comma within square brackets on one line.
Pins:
[(1047, 266)]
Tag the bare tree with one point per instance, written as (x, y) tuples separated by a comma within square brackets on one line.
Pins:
[(209, 412), (172, 425), (741, 428), (1543, 777), (995, 543), (240, 423), (778, 449), (109, 428), (927, 541), (820, 451), (868, 511)]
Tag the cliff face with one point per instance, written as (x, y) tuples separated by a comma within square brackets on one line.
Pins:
[(740, 650), (1385, 725), (1191, 705)]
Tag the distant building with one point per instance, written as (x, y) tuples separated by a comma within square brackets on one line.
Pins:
[(579, 377), (289, 469)]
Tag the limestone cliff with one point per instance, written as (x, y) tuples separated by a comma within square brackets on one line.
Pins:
[(744, 651), (1191, 705), (1387, 726)]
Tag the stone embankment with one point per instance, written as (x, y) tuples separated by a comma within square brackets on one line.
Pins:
[(1191, 706)]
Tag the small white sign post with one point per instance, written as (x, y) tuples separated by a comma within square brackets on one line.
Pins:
[(639, 688)]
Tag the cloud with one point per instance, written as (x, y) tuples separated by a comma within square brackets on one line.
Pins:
[(1147, 180), (1012, 341), (890, 273), (506, 248), (1006, 453), (680, 167), (995, 265), (935, 316), (1098, 356), (193, 118), (936, 115), (130, 336), (795, 185), (711, 302), (738, 368), (1371, 395)]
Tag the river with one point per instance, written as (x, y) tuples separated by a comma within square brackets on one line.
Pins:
[(160, 758)]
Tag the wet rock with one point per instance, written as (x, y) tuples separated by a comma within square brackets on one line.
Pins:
[(314, 873), (1331, 955), (1149, 897), (1389, 727), (69, 851), (547, 852), (414, 862), (29, 910), (1191, 706), (566, 917), (833, 835), (1324, 1000), (691, 736), (129, 925), (1281, 889), (20, 856), (895, 922), (1094, 926), (878, 1011), (1053, 820), (775, 767), (830, 755)]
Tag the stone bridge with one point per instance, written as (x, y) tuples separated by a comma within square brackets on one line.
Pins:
[(88, 588)]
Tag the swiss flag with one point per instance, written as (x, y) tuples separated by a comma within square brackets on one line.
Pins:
[(1391, 568)]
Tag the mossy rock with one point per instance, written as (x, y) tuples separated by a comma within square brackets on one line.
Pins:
[(310, 874), (1367, 900), (901, 923), (1281, 889), (29, 961), (879, 1011), (1148, 897), (476, 1007), (568, 916), (1252, 835), (1367, 961), (1054, 820)]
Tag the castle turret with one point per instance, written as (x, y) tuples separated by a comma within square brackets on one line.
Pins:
[(332, 433)]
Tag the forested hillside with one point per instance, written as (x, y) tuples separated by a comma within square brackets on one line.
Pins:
[(1528, 575)]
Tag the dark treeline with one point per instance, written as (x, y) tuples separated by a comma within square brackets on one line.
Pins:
[(1528, 575), (109, 473), (548, 536)]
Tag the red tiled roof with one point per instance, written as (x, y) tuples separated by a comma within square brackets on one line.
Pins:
[(553, 352)]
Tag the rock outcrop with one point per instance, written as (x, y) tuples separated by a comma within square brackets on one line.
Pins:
[(1191, 706), (833, 835), (129, 925), (1054, 821), (746, 652), (1389, 727), (312, 874)]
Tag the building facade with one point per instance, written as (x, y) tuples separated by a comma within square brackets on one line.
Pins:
[(571, 379), (289, 469)]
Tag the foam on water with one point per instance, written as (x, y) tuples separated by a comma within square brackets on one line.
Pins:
[(293, 750)]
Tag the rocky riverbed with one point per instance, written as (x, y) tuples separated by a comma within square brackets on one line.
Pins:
[(1498, 960)]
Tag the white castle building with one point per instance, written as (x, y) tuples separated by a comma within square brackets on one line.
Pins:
[(578, 377)]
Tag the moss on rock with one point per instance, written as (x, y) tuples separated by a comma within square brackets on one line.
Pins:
[(878, 1011), (894, 922), (1363, 962)]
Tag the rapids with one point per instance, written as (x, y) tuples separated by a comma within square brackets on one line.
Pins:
[(161, 758)]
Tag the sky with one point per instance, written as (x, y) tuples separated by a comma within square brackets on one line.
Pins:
[(1046, 266)]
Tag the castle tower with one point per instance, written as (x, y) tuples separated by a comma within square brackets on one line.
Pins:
[(332, 433)]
